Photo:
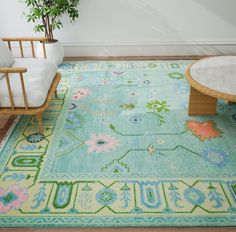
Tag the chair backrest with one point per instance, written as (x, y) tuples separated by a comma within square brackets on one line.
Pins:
[(7, 60), (30, 40), (6, 57)]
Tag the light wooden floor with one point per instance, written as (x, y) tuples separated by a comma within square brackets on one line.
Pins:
[(5, 123)]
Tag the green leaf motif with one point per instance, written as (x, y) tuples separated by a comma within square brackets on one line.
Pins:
[(176, 75), (112, 127), (128, 106), (158, 106)]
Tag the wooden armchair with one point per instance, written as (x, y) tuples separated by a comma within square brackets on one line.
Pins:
[(27, 85)]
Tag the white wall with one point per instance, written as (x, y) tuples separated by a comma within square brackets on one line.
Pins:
[(138, 27)]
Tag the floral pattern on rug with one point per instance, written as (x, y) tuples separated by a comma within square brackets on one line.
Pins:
[(101, 143), (12, 198), (119, 149)]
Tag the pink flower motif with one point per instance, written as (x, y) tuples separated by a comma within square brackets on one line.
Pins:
[(12, 198), (81, 93), (102, 143)]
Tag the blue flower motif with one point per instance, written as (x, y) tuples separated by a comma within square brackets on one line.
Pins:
[(184, 104), (72, 211), (8, 198), (232, 210), (137, 210), (217, 158), (106, 196), (45, 211), (181, 88), (5, 169), (28, 147), (167, 210), (147, 82), (194, 196), (222, 106), (73, 120), (67, 66), (135, 119), (234, 117), (35, 138)]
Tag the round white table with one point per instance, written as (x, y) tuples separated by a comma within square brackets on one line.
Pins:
[(211, 79)]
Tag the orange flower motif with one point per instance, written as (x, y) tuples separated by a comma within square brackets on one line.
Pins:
[(203, 130)]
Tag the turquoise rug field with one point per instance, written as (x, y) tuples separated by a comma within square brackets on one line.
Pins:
[(120, 150)]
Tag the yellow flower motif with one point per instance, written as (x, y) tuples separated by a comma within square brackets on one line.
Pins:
[(151, 149)]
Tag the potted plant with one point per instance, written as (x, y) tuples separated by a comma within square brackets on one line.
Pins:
[(47, 14)]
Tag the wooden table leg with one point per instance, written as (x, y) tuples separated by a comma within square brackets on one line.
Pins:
[(201, 104)]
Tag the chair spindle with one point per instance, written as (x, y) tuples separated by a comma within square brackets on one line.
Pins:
[(10, 92), (9, 44), (44, 50), (32, 48), (23, 91), (21, 49)]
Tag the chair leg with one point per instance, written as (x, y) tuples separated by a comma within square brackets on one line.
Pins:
[(39, 118)]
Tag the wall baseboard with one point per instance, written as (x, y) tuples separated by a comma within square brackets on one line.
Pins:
[(149, 50), (116, 58), (103, 49)]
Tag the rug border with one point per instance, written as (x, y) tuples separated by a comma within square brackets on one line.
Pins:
[(138, 221)]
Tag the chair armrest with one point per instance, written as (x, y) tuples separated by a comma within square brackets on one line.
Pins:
[(20, 71), (13, 70)]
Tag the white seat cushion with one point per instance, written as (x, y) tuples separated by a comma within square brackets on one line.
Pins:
[(6, 57), (38, 79)]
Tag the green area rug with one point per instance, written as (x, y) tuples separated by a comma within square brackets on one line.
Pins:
[(120, 150)]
